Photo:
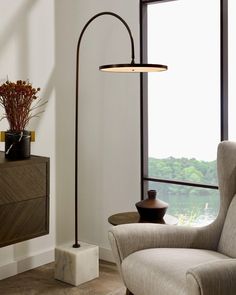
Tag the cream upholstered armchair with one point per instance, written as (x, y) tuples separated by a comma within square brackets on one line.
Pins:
[(157, 259)]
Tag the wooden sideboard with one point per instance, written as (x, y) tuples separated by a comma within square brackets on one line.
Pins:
[(24, 199)]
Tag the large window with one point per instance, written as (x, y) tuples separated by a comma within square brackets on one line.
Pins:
[(183, 108)]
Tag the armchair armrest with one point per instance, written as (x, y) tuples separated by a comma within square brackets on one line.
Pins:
[(128, 238), (216, 277)]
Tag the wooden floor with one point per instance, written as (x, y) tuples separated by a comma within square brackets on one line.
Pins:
[(41, 281)]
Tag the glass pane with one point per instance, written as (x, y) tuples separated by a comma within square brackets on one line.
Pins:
[(191, 205), (232, 69), (184, 102)]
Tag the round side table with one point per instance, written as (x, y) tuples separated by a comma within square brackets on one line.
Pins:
[(133, 217)]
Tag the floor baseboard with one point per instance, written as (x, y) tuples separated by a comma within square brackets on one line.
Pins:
[(106, 254), (26, 263)]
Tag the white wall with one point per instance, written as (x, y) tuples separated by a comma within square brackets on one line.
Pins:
[(108, 119), (38, 41), (27, 51)]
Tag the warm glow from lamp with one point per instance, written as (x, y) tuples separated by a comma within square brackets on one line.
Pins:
[(133, 68)]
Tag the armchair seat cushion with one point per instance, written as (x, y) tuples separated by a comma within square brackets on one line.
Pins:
[(160, 271)]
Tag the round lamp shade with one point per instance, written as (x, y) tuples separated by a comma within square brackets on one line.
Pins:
[(133, 68)]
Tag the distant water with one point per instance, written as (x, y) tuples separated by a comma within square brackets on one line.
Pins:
[(197, 208)]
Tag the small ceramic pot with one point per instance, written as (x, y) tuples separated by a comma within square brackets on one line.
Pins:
[(151, 209), (17, 145)]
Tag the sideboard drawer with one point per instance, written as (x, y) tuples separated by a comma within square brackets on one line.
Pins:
[(24, 199), (23, 220), (21, 183)]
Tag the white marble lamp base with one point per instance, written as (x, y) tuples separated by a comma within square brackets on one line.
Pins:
[(76, 265)]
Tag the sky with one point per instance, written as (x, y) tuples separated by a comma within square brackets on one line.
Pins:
[(184, 102)]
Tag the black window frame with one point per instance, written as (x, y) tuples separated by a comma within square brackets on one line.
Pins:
[(143, 4)]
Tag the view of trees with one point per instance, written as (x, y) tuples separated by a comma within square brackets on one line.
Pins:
[(192, 205), (184, 169)]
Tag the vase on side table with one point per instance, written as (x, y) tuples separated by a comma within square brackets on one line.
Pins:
[(152, 208)]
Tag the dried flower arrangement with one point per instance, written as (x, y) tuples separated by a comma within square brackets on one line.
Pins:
[(17, 99)]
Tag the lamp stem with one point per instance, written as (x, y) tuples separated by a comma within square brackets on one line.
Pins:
[(77, 245)]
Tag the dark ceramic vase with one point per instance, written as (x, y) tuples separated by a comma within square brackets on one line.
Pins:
[(17, 145), (151, 209)]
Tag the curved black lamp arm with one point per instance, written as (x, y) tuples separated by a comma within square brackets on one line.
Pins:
[(77, 245)]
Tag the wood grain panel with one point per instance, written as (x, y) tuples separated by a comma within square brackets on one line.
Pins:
[(24, 199), (23, 220), (24, 182)]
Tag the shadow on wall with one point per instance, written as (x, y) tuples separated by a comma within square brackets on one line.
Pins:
[(67, 30), (62, 81), (18, 29)]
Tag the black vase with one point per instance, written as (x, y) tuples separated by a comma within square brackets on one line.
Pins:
[(17, 145), (151, 209)]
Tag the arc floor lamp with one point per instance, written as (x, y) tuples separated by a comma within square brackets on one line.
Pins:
[(131, 67)]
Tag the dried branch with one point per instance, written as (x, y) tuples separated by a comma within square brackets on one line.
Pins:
[(17, 99)]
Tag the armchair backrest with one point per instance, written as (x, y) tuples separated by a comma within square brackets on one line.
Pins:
[(227, 243), (226, 165)]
